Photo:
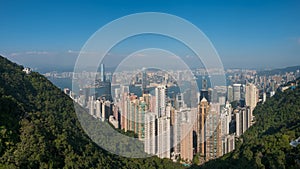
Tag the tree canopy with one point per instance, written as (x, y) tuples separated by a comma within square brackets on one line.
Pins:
[(39, 128)]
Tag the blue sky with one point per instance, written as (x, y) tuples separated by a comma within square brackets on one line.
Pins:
[(246, 34)]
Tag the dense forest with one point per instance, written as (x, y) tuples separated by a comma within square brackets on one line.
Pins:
[(267, 143), (39, 128)]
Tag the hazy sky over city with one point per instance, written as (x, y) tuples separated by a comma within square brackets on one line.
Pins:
[(246, 34)]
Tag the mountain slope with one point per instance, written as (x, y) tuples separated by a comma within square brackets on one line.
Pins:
[(266, 143), (280, 71), (39, 128)]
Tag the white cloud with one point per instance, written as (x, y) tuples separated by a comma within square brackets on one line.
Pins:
[(72, 51), (29, 53), (15, 54), (139, 55), (93, 53), (37, 53)]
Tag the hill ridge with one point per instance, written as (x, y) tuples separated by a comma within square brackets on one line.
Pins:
[(39, 128)]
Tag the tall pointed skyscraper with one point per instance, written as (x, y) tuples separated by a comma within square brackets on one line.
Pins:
[(200, 128), (144, 81), (102, 73), (204, 91)]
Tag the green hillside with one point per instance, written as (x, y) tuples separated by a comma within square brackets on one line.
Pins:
[(266, 143), (39, 128)]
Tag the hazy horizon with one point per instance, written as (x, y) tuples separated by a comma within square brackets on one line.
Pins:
[(246, 34)]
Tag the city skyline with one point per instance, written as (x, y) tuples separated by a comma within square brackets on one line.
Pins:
[(150, 84), (170, 126)]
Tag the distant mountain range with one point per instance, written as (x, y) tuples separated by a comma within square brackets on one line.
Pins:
[(279, 71)]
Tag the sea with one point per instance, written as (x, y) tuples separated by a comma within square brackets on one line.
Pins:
[(67, 82)]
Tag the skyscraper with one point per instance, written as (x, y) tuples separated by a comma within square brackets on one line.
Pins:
[(186, 144), (200, 126), (164, 131), (237, 92), (106, 109), (131, 112), (179, 102), (213, 145), (135, 115), (147, 99), (91, 105), (143, 107), (204, 91), (210, 95), (242, 120), (238, 125), (102, 73), (176, 119), (98, 109), (182, 135), (150, 129), (124, 107), (224, 122), (161, 100), (246, 118), (251, 97), (163, 137), (144, 81), (228, 143), (229, 93), (222, 100)]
